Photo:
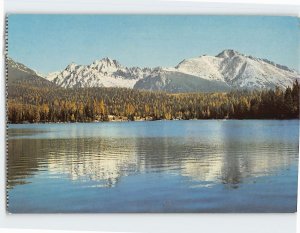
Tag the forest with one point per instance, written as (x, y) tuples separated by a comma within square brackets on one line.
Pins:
[(27, 104)]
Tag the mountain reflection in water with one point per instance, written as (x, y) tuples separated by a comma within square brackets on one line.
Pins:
[(107, 159), (204, 156)]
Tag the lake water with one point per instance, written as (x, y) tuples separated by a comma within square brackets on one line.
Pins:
[(159, 166)]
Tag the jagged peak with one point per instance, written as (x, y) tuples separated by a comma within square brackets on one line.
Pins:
[(107, 61), (103, 60), (228, 53), (71, 66)]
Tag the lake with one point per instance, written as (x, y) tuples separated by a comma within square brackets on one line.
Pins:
[(157, 166)]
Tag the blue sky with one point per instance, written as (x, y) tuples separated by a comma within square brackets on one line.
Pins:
[(49, 43)]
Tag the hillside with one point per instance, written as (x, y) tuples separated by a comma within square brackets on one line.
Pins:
[(19, 74)]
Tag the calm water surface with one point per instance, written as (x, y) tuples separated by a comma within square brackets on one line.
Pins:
[(160, 166)]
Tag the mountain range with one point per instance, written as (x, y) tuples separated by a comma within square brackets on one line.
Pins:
[(225, 71)]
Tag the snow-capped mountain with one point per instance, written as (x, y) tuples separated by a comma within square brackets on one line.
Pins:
[(239, 71), (101, 73), (229, 69)]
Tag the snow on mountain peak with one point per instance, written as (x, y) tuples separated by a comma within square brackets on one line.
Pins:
[(71, 67), (105, 60), (106, 65), (228, 53), (228, 67), (239, 71), (105, 72)]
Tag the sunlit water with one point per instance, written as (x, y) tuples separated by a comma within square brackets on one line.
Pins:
[(160, 166)]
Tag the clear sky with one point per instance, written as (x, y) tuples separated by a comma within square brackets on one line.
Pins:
[(49, 43)]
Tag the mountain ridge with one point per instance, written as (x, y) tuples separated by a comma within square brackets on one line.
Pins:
[(227, 70), (20, 74), (231, 68)]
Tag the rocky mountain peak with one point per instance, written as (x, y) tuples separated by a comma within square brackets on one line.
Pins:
[(106, 64), (228, 53), (71, 67)]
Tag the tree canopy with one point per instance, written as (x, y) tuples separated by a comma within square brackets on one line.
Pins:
[(48, 104)]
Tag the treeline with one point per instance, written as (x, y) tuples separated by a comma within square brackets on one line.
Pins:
[(28, 104)]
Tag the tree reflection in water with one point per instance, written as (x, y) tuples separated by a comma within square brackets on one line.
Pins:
[(107, 160)]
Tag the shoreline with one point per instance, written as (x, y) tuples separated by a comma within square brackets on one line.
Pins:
[(124, 121)]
